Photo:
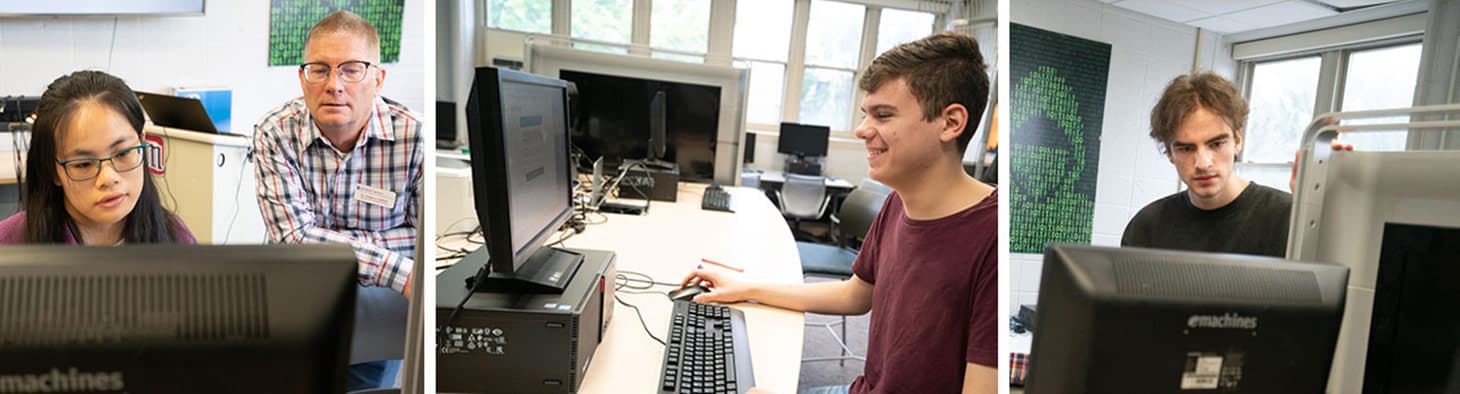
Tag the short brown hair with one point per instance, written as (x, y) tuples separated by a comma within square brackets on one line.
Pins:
[(348, 23), (1185, 94), (941, 70)]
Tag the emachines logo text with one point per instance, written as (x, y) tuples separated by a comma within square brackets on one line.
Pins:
[(57, 381)]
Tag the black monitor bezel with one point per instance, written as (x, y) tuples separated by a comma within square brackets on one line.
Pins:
[(490, 189), (782, 146)]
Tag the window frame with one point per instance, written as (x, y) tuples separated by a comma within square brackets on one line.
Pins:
[(1332, 78), (795, 64)]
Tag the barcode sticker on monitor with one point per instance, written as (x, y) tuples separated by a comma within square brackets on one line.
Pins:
[(1202, 371)]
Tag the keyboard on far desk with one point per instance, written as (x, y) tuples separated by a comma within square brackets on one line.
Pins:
[(706, 351), (716, 199)]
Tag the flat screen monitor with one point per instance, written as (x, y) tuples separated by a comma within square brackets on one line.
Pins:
[(517, 125), (803, 140), (1414, 340), (1131, 320), (616, 117), (176, 319), (445, 124)]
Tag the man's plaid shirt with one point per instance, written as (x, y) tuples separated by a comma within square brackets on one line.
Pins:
[(307, 188)]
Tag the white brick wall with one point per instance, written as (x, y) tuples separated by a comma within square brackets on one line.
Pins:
[(228, 47), (1146, 53)]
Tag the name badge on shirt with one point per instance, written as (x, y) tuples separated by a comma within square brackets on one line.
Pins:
[(375, 196)]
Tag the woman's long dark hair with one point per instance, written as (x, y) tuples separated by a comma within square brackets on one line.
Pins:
[(46, 219)]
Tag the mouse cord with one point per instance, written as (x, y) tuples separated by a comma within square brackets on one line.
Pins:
[(641, 319)]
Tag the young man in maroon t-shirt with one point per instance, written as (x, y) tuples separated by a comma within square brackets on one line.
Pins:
[(930, 255)]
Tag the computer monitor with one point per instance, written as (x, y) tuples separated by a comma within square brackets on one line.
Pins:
[(618, 118), (517, 125), (803, 140), (445, 124), (176, 318), (1387, 217), (1131, 320)]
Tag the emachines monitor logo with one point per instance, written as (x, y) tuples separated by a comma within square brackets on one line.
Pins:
[(1229, 320), (57, 381)]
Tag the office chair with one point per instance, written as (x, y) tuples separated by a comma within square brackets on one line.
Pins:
[(849, 227), (802, 197)]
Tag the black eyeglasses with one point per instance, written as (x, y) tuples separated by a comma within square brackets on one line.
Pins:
[(351, 71), (86, 168)]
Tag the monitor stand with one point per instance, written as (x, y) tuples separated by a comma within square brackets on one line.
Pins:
[(546, 272)]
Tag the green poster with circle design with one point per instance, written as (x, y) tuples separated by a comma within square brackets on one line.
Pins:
[(290, 20), (1057, 103)]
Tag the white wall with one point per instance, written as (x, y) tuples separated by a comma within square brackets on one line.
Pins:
[(228, 47), (1146, 53)]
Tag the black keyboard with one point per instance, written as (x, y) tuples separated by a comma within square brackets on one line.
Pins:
[(716, 199), (707, 351)]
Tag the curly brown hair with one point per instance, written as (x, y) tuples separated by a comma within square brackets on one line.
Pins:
[(1185, 94)]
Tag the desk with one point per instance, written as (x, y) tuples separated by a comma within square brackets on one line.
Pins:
[(666, 244), (772, 180), (837, 189)]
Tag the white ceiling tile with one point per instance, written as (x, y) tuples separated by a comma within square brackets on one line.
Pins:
[(1222, 24), (1281, 13), (1167, 10), (1226, 6)]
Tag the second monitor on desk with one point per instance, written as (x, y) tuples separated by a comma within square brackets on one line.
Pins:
[(805, 146)]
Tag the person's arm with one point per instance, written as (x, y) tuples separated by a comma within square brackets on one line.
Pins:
[(1298, 157), (980, 379), (849, 297), (290, 219)]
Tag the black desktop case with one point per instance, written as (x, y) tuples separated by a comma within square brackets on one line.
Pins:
[(522, 343), (658, 184)]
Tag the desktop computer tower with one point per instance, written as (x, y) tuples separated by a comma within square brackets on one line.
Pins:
[(522, 343), (652, 183), (808, 166)]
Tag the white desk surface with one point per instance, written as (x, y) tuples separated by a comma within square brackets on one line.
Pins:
[(779, 177), (667, 244)]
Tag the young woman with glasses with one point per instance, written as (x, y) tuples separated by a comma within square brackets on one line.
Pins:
[(84, 177)]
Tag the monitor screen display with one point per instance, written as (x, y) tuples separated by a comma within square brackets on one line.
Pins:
[(517, 129), (613, 121), (803, 139), (537, 157)]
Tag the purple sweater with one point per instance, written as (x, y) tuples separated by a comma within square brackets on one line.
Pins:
[(12, 231)]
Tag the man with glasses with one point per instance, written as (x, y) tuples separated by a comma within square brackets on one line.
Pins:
[(343, 165)]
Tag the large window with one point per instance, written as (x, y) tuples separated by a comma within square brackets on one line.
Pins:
[(533, 16), (1380, 79), (816, 85), (1284, 96), (1281, 102), (833, 45), (603, 20), (680, 25), (763, 43), (897, 27)]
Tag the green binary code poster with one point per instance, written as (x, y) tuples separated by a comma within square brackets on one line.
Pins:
[(1057, 101), (290, 20)]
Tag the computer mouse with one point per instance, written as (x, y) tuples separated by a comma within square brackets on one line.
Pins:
[(688, 293)]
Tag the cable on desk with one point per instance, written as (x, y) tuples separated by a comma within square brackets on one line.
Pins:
[(622, 280), (641, 319), (666, 294)]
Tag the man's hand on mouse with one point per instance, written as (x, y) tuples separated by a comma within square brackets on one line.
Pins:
[(725, 287)]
